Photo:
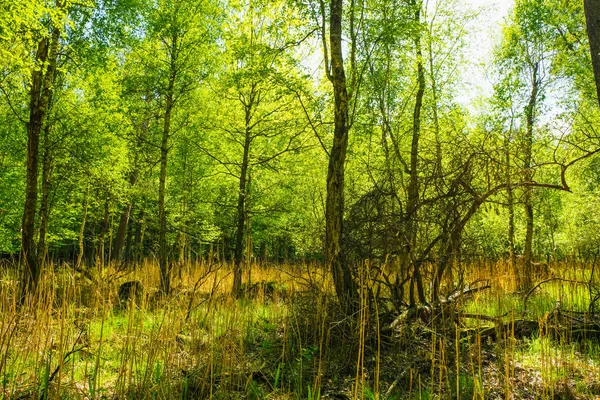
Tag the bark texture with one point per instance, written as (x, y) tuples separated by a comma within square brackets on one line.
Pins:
[(165, 269), (44, 216), (334, 212), (241, 204), (592, 16), (526, 279), (40, 93), (412, 204)]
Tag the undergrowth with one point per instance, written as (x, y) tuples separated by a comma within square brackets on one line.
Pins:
[(287, 339)]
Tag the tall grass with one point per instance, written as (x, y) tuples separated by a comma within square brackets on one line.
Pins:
[(288, 339)]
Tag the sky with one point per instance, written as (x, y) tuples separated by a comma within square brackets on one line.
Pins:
[(484, 34)]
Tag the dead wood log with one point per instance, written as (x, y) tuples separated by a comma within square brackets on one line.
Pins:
[(556, 325)]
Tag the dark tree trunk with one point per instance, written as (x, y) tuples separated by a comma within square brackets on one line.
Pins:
[(102, 237), (165, 283), (592, 16), (345, 286), (241, 204), (436, 121), (450, 246), (39, 99), (128, 254), (139, 237), (82, 227), (182, 244), (117, 253), (44, 204), (165, 270), (412, 204), (526, 280), (121, 232), (126, 212), (511, 208)]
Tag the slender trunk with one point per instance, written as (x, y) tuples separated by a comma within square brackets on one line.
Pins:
[(124, 220), (386, 128), (128, 256), (121, 232), (82, 228), (446, 257), (44, 204), (182, 242), (165, 273), (412, 203), (592, 16), (511, 229), (182, 246), (397, 289), (527, 199), (162, 241), (511, 208), (39, 99), (334, 210), (139, 237), (436, 121), (241, 204), (248, 231), (450, 245), (102, 237), (126, 212)]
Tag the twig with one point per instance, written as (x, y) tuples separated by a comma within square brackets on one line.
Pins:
[(546, 281), (202, 279), (72, 351)]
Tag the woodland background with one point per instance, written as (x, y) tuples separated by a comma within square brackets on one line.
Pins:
[(158, 139)]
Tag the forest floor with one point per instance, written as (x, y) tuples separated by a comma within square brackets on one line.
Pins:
[(288, 339)]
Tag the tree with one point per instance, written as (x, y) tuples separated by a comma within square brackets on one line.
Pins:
[(526, 64), (40, 92), (592, 16), (334, 211), (257, 105), (178, 32)]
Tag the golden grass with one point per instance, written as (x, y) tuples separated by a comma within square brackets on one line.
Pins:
[(76, 339)]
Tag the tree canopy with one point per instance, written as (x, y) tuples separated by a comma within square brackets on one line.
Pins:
[(289, 130)]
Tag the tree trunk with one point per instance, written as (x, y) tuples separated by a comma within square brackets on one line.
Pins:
[(162, 218), (241, 204), (121, 232), (345, 286), (165, 283), (126, 212), (128, 251), (248, 231), (44, 205), (39, 98), (117, 254), (449, 247), (526, 281), (165, 273), (182, 245), (139, 237), (102, 237), (592, 16), (511, 208), (511, 229), (412, 204), (436, 120), (82, 228)]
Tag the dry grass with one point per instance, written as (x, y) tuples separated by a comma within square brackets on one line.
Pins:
[(287, 339)]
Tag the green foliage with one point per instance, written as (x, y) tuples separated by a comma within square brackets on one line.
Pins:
[(248, 81)]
